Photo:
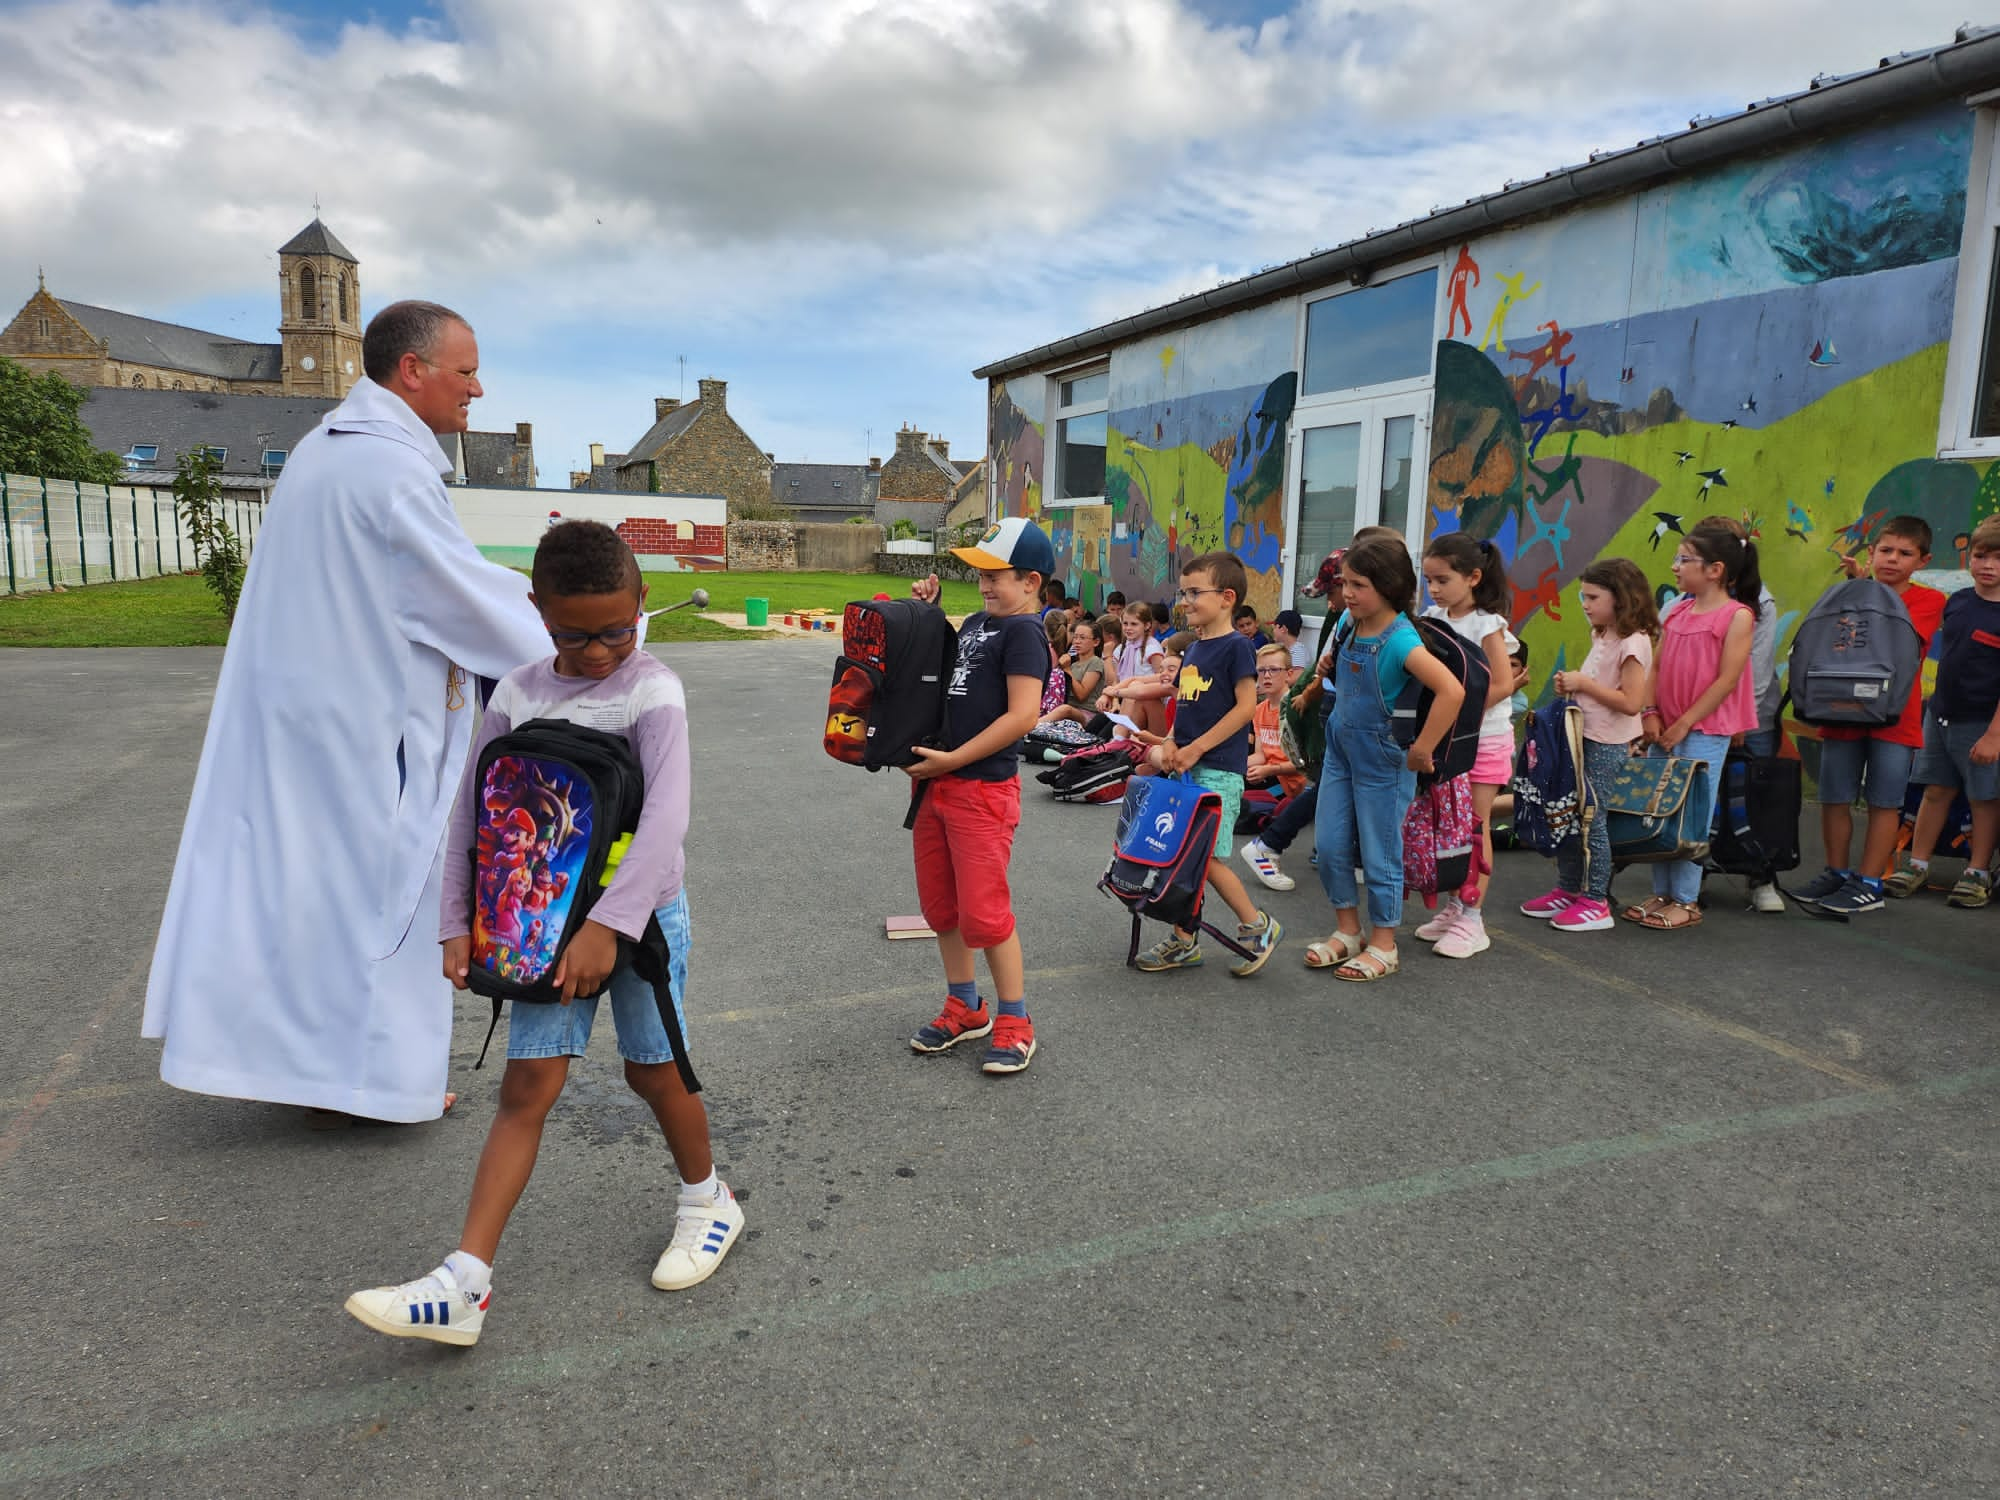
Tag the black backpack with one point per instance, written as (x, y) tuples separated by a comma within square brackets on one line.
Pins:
[(1092, 769), (1855, 658), (557, 804), (1757, 815), (889, 682), (1459, 748)]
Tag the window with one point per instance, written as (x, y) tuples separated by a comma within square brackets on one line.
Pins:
[(42, 327), (138, 380), (343, 296), (1372, 335), (141, 454), (1969, 425), (308, 294), (218, 455), (1082, 429), (273, 461)]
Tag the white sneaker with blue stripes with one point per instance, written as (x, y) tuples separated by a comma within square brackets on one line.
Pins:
[(432, 1307), (703, 1233)]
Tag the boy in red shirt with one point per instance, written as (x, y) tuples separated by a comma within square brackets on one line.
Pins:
[(1268, 762), (1875, 761)]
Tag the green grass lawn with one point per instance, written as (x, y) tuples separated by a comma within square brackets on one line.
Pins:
[(180, 611)]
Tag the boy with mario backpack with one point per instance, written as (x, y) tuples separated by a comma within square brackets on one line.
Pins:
[(964, 823), (564, 746)]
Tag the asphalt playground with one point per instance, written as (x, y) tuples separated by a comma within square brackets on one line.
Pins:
[(1624, 1214)]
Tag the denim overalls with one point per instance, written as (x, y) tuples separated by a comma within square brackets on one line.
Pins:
[(1365, 788)]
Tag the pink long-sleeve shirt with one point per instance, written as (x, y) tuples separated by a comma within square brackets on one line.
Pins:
[(642, 700)]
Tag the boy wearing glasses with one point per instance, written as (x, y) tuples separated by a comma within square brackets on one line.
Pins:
[(588, 589), (1210, 745)]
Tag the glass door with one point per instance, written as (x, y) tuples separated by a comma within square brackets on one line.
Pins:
[(1354, 466)]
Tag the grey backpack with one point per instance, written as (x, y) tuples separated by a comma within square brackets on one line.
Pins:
[(1855, 658)]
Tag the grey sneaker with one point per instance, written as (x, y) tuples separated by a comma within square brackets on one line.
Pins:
[(1821, 885), (1170, 952), (1853, 898), (1262, 943)]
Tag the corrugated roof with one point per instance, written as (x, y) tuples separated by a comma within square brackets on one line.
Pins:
[(317, 239), (1967, 65), (147, 341), (176, 421)]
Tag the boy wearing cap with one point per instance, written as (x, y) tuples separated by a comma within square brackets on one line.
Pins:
[(964, 832)]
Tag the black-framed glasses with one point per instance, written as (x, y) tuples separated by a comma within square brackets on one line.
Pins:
[(1188, 596), (579, 640)]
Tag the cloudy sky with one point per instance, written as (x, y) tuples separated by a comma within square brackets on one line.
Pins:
[(839, 206)]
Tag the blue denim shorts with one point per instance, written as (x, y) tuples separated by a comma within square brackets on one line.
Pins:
[(541, 1028), (1847, 766), (1946, 759), (1229, 787)]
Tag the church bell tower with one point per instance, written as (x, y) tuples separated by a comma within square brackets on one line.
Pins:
[(319, 313)]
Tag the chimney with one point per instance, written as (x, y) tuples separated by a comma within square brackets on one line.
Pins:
[(943, 447), (712, 394), (908, 440), (874, 466), (579, 479), (664, 404), (524, 434), (597, 455)]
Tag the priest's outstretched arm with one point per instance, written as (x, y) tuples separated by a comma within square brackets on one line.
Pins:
[(452, 599)]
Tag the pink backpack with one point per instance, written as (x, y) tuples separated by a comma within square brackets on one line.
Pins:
[(1441, 840)]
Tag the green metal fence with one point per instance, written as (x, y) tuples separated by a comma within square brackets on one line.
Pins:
[(55, 531)]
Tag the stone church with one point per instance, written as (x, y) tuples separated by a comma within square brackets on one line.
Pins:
[(318, 353)]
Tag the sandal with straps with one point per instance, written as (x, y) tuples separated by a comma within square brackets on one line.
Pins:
[(1369, 965), (1639, 911), (1335, 951), (1658, 921)]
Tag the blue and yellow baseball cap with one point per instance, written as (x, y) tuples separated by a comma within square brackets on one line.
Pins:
[(1015, 542)]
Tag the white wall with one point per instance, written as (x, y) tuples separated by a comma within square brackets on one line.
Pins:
[(517, 518)]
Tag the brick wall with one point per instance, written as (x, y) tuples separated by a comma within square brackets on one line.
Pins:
[(763, 547), (661, 538)]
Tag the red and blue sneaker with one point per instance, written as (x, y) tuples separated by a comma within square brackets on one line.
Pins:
[(956, 1023)]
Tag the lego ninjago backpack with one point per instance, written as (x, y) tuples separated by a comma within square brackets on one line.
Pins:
[(889, 682), (557, 804)]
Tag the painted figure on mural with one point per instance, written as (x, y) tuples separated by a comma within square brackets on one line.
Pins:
[(1511, 292), (1464, 276)]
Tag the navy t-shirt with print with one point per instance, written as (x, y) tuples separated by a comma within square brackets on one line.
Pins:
[(1209, 673), (1968, 677), (990, 650)]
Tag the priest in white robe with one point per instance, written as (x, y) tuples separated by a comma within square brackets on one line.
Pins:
[(297, 960)]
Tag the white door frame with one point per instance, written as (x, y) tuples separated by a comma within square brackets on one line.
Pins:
[(1371, 413)]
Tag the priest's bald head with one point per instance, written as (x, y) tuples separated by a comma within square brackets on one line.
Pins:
[(425, 354)]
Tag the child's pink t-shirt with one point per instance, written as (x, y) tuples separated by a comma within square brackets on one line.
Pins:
[(1691, 660), (1605, 665)]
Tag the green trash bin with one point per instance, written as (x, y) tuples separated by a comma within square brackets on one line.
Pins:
[(756, 611)]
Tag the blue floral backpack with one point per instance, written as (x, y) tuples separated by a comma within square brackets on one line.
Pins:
[(1551, 796)]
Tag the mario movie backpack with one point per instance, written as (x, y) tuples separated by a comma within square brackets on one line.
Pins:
[(557, 806), (1855, 658), (889, 682)]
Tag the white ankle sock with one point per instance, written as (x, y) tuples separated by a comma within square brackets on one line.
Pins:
[(704, 1191), (471, 1273)]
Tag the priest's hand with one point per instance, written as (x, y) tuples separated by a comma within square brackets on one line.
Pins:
[(457, 960), (587, 962)]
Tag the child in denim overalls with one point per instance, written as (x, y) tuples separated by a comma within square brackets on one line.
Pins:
[(1368, 781)]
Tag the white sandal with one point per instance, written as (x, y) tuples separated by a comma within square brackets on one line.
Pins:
[(1335, 952), (1390, 961)]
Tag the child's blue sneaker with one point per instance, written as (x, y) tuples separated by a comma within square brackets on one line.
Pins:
[(1262, 941), (1170, 952)]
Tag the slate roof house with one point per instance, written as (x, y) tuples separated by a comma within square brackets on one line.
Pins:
[(693, 448), (827, 492), (251, 436)]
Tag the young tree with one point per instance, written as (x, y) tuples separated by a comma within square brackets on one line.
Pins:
[(41, 433), (198, 499)]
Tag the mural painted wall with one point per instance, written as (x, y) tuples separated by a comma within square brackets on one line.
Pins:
[(1765, 341), (1194, 461)]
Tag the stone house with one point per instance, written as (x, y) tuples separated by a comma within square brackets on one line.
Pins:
[(918, 482), (692, 448), (494, 460), (318, 353), (1788, 315)]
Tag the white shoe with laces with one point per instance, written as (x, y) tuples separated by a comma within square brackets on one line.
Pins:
[(1264, 865), (432, 1307), (703, 1233)]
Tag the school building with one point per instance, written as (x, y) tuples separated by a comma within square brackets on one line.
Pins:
[(1782, 314)]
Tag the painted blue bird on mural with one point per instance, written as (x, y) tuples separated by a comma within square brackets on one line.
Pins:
[(1797, 522), (1666, 521)]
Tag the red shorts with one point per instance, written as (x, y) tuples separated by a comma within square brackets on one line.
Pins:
[(963, 840)]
